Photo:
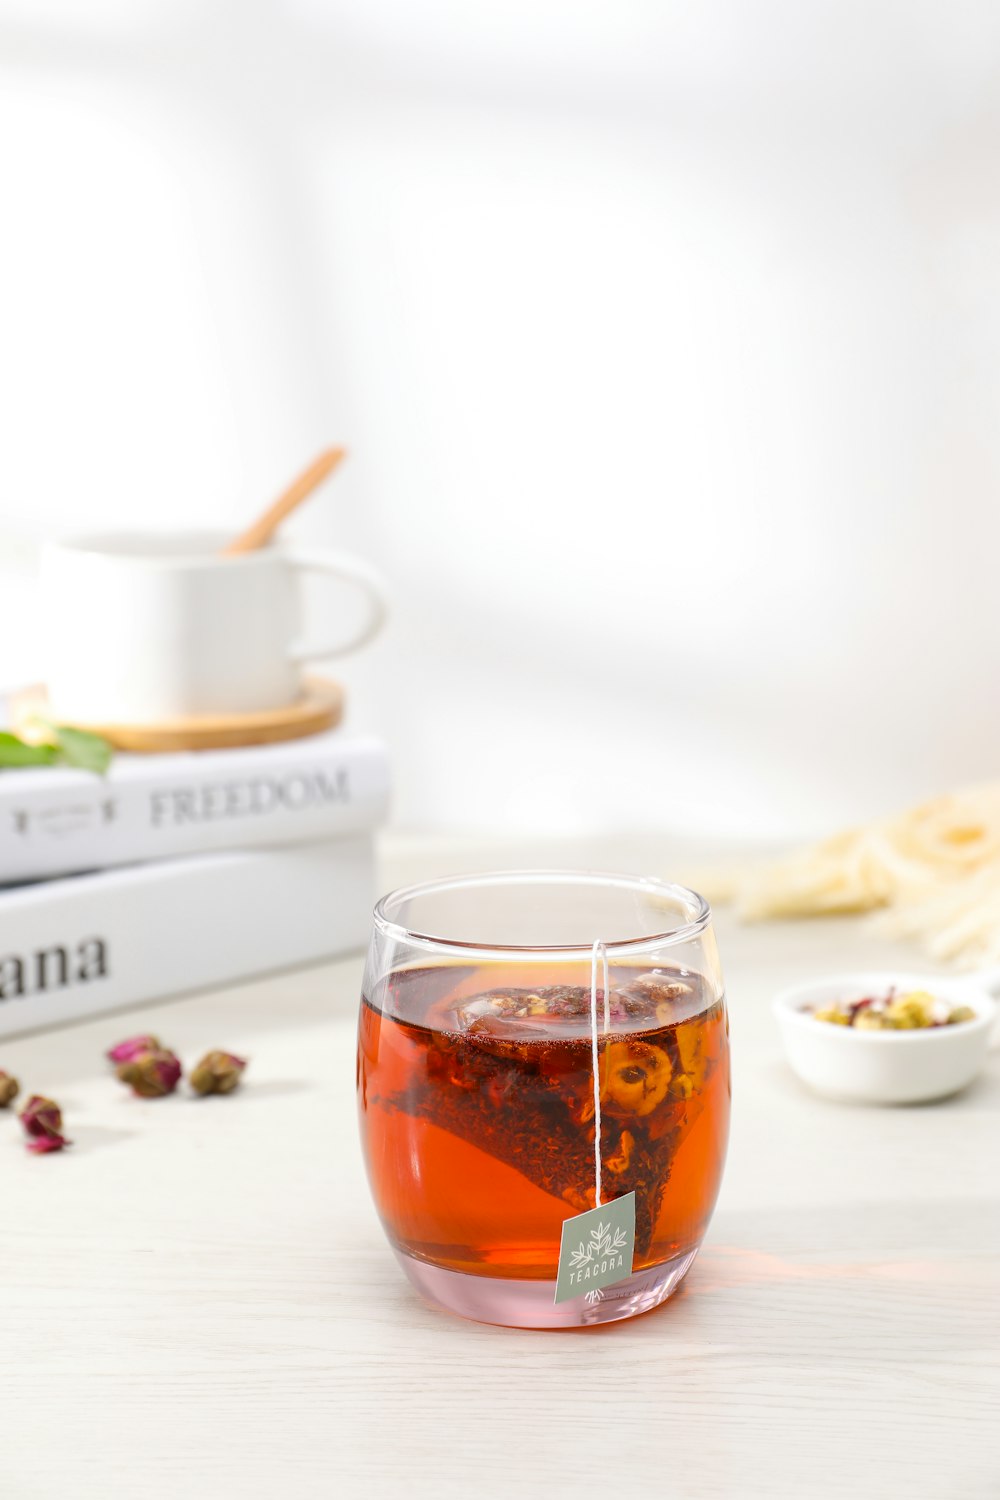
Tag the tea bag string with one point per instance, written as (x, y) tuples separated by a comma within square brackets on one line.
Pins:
[(598, 954)]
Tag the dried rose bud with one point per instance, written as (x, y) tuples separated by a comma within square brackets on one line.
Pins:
[(127, 1050), (42, 1121), (9, 1089), (217, 1073), (152, 1073)]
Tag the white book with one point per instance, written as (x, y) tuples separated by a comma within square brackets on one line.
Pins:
[(78, 946), (56, 821)]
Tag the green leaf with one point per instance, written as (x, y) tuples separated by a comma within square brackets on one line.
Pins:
[(77, 747), (15, 752)]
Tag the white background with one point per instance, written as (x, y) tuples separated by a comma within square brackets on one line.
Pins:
[(665, 337)]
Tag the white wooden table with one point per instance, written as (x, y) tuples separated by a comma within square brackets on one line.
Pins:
[(197, 1299)]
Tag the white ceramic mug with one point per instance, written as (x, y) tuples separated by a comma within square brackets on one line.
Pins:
[(146, 627)]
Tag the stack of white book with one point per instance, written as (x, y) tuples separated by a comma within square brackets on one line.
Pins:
[(176, 872)]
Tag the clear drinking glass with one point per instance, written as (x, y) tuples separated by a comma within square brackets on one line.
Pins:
[(533, 1045)]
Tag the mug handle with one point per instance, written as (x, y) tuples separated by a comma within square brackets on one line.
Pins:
[(353, 570)]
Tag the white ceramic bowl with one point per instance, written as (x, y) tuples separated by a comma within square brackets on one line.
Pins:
[(884, 1067)]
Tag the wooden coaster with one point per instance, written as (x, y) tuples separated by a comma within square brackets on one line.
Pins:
[(320, 707)]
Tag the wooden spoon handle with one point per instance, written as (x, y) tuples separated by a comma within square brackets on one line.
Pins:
[(262, 530)]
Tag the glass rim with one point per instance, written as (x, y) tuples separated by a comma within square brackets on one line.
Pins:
[(668, 937)]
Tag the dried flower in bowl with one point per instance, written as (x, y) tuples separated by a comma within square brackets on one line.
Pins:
[(9, 1089), (151, 1074), (916, 1010), (217, 1073), (43, 1123), (125, 1051)]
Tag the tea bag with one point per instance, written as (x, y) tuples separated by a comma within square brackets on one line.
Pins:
[(584, 1090)]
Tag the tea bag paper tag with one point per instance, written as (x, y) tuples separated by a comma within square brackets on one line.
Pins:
[(596, 1250)]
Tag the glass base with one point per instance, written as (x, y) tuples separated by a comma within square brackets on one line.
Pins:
[(529, 1304)]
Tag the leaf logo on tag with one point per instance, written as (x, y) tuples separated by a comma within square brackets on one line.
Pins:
[(596, 1250), (603, 1242)]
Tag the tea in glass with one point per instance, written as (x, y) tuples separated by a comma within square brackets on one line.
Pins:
[(485, 1123)]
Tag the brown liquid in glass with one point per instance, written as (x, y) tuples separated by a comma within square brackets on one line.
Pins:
[(476, 1093)]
